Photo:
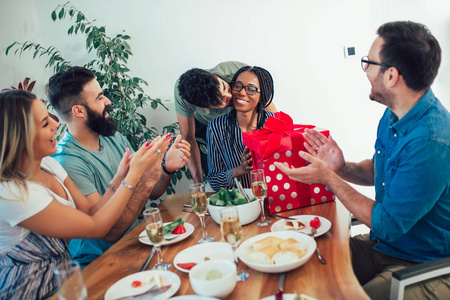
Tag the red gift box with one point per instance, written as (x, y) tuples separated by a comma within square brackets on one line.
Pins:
[(281, 141)]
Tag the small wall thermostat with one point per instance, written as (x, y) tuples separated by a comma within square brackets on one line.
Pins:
[(349, 52)]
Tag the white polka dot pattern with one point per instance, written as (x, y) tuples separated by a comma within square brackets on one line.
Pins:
[(286, 194)]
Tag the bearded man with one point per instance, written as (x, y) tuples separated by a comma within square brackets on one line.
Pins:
[(91, 150)]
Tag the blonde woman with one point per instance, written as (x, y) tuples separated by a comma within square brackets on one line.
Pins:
[(40, 206)]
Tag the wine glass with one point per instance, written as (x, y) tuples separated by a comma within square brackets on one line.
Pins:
[(231, 229), (154, 228), (199, 203), (259, 189), (70, 281)]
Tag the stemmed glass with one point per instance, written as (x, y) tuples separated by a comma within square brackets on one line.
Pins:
[(199, 203), (231, 229), (259, 189), (70, 281), (154, 228)]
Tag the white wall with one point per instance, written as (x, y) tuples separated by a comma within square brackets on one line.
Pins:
[(299, 42)]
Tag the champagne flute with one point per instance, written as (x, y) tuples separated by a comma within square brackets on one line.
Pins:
[(259, 189), (231, 230), (154, 229), (199, 203), (70, 281)]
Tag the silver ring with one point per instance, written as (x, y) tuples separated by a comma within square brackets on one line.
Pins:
[(159, 151), (317, 148)]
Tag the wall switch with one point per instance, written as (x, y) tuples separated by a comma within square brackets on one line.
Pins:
[(349, 52)]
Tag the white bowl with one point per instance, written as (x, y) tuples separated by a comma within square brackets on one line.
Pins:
[(220, 287), (244, 251), (248, 212)]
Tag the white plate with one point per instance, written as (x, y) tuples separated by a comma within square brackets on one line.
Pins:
[(325, 225), (194, 297), (123, 288), (197, 254), (289, 297), (244, 251), (143, 237)]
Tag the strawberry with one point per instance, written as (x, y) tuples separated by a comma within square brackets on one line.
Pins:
[(315, 223)]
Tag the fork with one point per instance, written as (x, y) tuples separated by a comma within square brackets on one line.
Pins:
[(319, 255), (169, 238), (279, 292)]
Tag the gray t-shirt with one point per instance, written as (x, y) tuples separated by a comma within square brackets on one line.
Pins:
[(226, 71)]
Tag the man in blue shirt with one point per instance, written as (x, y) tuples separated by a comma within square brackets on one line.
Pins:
[(410, 217), (91, 150)]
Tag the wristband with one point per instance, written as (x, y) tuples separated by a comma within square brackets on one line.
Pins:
[(163, 166), (128, 186), (112, 187)]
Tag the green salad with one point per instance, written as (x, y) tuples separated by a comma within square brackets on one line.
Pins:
[(228, 198)]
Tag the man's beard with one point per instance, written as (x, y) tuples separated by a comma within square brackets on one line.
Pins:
[(379, 93), (99, 123)]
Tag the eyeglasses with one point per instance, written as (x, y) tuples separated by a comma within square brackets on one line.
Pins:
[(250, 89), (365, 62)]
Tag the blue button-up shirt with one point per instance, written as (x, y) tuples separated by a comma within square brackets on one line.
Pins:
[(411, 216)]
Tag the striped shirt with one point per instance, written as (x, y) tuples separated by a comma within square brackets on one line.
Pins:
[(224, 154)]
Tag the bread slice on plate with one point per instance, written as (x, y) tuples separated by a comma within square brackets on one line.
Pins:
[(293, 225)]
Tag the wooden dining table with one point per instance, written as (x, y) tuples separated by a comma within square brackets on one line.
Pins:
[(333, 280)]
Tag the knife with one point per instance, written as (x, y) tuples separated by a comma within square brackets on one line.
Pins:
[(241, 189), (151, 291), (144, 266), (191, 211), (282, 217)]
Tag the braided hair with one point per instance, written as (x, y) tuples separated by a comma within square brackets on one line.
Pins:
[(266, 96)]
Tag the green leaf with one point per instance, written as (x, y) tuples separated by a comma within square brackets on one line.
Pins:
[(70, 31), (61, 13), (54, 15), (9, 47)]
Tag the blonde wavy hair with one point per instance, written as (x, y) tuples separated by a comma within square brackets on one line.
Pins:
[(16, 135)]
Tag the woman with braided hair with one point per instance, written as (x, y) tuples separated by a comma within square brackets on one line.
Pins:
[(228, 158)]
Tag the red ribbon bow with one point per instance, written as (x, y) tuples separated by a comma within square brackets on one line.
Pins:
[(282, 125)]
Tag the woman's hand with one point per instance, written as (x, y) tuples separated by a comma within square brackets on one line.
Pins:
[(149, 156), (124, 165), (246, 164)]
